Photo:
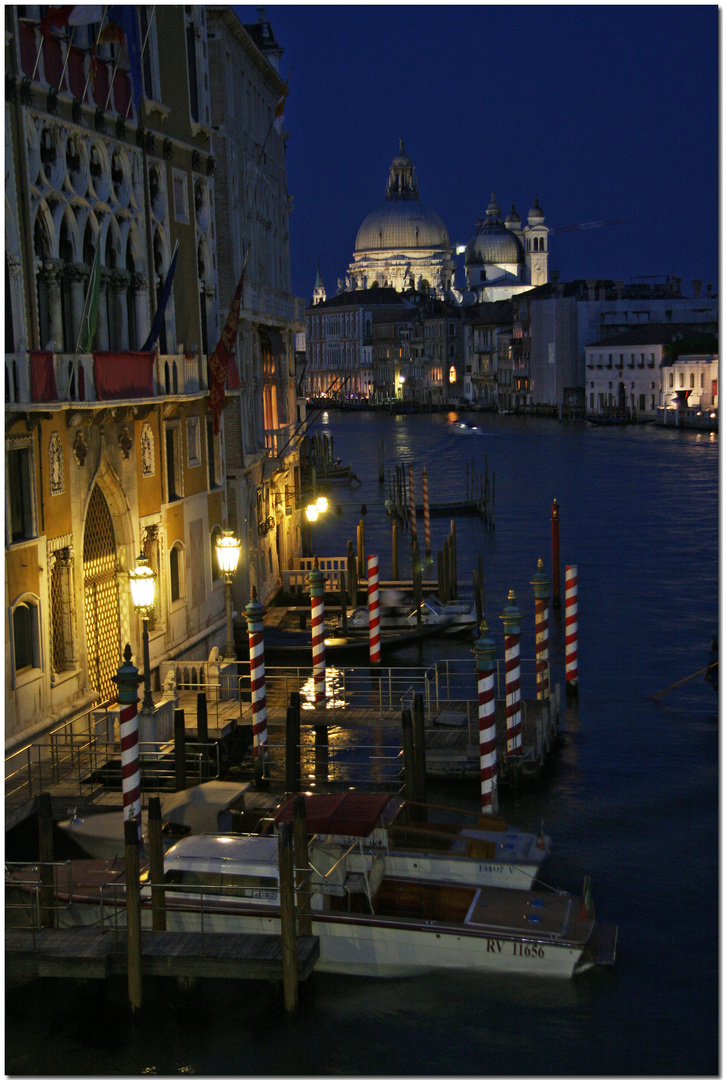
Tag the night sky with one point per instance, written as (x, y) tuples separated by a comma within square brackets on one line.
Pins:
[(602, 112)]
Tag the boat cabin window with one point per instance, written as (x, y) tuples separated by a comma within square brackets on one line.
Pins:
[(249, 885)]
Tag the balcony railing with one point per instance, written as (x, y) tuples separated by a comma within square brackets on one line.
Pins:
[(65, 380), (273, 303)]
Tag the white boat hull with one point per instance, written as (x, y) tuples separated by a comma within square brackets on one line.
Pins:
[(369, 945), (462, 871)]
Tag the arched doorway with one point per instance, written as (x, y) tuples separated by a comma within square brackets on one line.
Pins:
[(102, 622)]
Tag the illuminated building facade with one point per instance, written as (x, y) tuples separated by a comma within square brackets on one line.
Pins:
[(110, 447)]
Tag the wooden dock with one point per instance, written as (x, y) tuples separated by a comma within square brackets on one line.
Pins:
[(87, 952)]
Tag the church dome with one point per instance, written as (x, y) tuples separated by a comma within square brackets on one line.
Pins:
[(401, 221), (536, 214), (494, 244), (398, 224)]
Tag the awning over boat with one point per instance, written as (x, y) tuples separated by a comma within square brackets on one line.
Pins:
[(348, 814)]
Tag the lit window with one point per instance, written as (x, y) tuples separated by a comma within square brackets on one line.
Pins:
[(177, 572), (452, 374), (20, 493), (25, 636)]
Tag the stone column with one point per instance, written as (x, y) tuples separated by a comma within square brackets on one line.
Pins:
[(78, 279), (139, 285), (120, 282), (52, 271), (102, 326)]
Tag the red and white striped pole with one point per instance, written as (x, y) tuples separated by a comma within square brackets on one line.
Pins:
[(425, 504), (412, 503), (541, 586), (127, 679), (315, 580), (484, 650), (511, 616), (254, 612), (571, 629), (375, 645)]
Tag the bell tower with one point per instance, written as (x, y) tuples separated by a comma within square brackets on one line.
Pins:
[(536, 234)]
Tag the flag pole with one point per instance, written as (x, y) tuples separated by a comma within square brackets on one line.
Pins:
[(284, 94), (93, 51), (139, 119), (67, 57), (82, 319)]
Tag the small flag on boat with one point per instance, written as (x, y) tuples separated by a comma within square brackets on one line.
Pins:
[(587, 910), (541, 836)]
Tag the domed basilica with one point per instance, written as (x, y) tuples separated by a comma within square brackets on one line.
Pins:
[(403, 243)]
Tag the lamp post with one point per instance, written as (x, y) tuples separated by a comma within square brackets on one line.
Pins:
[(143, 594), (228, 550)]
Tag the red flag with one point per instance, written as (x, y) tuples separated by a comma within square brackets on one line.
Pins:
[(70, 15), (218, 361)]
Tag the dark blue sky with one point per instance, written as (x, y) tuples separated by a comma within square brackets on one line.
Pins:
[(602, 112)]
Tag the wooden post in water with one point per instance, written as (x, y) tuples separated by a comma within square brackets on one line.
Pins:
[(202, 730), (133, 914), (555, 554), (293, 737), (453, 556), (381, 461), (45, 855), (351, 572), (301, 862), (410, 789), (342, 602), (395, 550), (155, 851), (289, 958), (179, 748), (417, 582), (361, 550), (440, 575), (321, 753), (420, 751)]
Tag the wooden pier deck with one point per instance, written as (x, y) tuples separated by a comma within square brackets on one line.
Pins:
[(89, 953)]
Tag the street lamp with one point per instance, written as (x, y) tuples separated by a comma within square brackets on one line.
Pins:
[(228, 549), (143, 594)]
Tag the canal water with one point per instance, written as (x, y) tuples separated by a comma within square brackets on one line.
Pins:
[(630, 798)]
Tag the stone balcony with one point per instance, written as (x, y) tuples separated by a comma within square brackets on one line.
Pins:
[(55, 378)]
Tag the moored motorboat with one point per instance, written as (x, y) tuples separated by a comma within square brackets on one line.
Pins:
[(423, 842), (206, 807), (367, 921), (454, 617)]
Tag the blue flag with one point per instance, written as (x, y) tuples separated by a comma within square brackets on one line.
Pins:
[(125, 16), (162, 301)]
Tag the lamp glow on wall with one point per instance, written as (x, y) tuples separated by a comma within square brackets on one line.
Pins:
[(143, 595), (228, 550)]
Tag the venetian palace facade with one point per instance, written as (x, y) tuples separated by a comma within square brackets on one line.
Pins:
[(118, 155)]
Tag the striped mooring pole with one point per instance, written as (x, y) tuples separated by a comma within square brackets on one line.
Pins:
[(412, 502), (375, 645), (254, 612), (127, 680), (541, 586), (571, 629), (315, 580), (511, 616), (484, 650), (425, 505)]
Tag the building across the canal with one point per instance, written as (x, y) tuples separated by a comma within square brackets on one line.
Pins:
[(111, 448)]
